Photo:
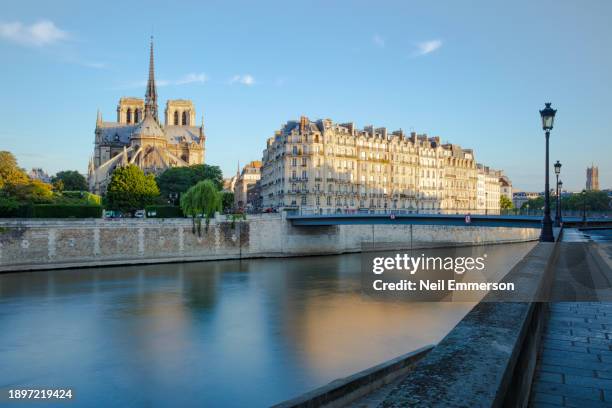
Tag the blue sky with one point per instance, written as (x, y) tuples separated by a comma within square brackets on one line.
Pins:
[(473, 72)]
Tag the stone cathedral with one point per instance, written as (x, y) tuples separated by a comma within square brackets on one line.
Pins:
[(138, 137)]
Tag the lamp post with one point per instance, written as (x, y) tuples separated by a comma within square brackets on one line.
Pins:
[(583, 207), (548, 118), (486, 202), (557, 166), (560, 189)]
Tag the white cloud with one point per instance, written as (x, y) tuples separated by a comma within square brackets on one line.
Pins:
[(38, 34), (378, 41), (192, 78), (245, 79), (427, 47)]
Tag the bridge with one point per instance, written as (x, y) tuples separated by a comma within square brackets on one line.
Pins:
[(513, 221)]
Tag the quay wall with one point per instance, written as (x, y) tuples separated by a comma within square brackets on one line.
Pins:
[(30, 244)]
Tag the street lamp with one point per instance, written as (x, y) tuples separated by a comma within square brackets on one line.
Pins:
[(560, 188), (557, 166), (486, 203), (548, 118), (584, 219)]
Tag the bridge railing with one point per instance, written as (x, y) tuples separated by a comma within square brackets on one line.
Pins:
[(461, 211)]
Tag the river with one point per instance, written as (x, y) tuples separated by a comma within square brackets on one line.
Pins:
[(217, 334)]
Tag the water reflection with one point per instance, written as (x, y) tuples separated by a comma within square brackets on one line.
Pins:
[(230, 333)]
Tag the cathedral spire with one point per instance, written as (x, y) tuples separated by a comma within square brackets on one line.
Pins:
[(151, 94), (99, 118)]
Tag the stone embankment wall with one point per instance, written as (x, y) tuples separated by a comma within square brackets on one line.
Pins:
[(49, 244)]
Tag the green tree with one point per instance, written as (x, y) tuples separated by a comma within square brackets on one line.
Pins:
[(505, 203), (203, 199), (33, 191), (592, 200), (130, 189), (10, 173), (72, 180), (180, 179), (533, 204), (227, 201)]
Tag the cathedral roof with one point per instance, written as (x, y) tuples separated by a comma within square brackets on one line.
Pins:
[(177, 134), (113, 132), (148, 128), (116, 132)]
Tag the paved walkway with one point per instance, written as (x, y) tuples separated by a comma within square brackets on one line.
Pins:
[(574, 367)]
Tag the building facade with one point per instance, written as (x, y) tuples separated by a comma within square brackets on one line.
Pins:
[(592, 178), (488, 190), (249, 175), (505, 187), (138, 137), (325, 167), (254, 201), (39, 174), (521, 197)]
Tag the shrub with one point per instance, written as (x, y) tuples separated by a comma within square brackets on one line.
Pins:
[(19, 211), (84, 196), (66, 211), (164, 211)]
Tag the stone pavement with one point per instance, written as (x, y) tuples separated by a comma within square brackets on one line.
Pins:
[(575, 364)]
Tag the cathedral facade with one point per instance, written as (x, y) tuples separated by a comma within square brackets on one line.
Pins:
[(138, 137)]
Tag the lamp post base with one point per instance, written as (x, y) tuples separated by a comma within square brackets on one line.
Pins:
[(547, 231)]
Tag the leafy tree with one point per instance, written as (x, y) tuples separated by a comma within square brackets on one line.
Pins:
[(505, 203), (72, 180), (10, 173), (207, 172), (58, 186), (533, 204), (180, 179), (33, 191), (227, 201), (203, 199), (130, 189), (592, 200)]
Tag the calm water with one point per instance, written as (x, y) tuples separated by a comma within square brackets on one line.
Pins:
[(218, 334)]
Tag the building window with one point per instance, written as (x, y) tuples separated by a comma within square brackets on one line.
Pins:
[(304, 200), (176, 119), (128, 116)]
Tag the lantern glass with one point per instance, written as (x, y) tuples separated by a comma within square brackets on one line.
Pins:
[(548, 117), (557, 167)]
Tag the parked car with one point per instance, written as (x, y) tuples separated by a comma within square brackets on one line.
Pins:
[(139, 213)]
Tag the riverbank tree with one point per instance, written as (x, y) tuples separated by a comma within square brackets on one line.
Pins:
[(201, 200), (130, 190), (177, 180)]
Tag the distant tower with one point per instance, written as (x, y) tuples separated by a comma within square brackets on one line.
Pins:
[(592, 178)]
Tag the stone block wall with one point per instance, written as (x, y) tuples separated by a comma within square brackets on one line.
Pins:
[(49, 244)]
